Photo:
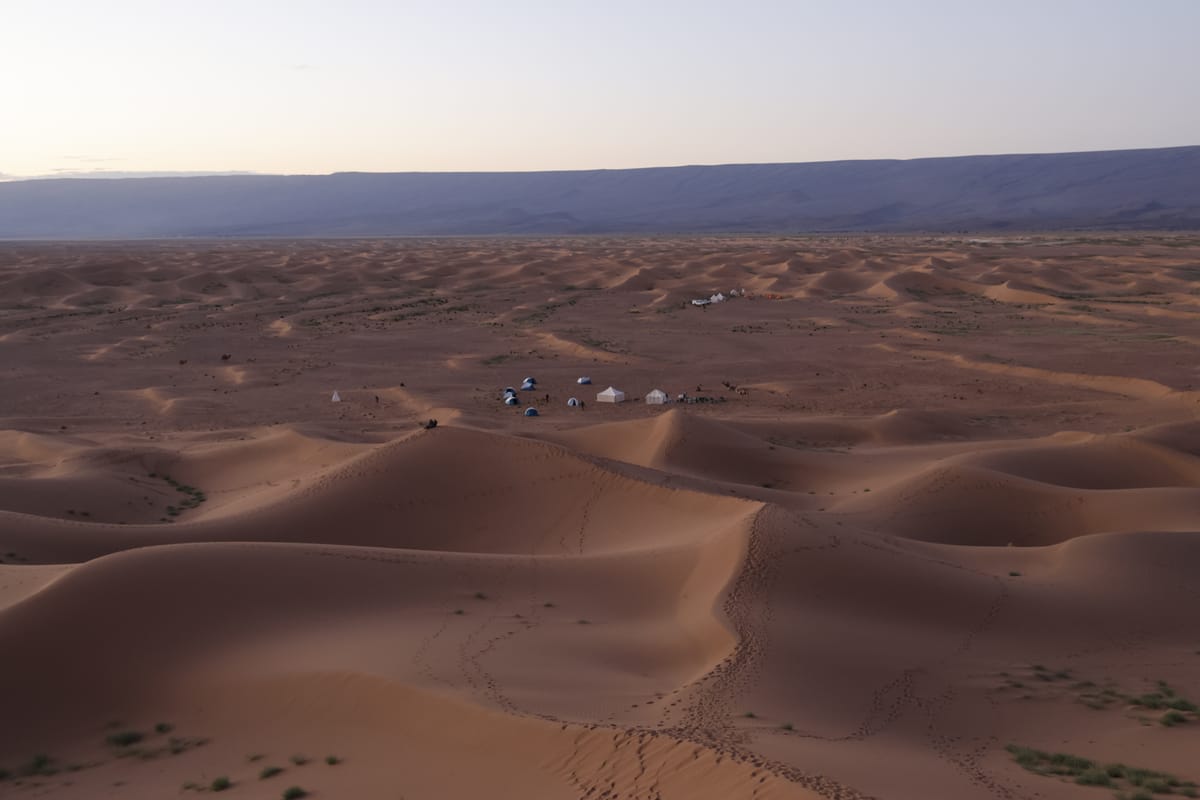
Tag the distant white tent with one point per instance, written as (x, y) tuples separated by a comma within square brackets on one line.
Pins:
[(657, 397), (530, 380), (584, 381), (611, 395), (574, 401), (531, 412), (528, 386), (511, 400), (717, 298), (337, 398)]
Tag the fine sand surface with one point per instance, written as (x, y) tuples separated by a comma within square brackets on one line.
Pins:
[(945, 499)]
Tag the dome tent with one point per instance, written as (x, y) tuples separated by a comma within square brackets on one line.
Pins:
[(528, 386), (511, 400), (531, 412), (584, 381), (574, 401), (530, 380)]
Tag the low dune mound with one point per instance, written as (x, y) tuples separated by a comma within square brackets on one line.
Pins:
[(1096, 462), (952, 503)]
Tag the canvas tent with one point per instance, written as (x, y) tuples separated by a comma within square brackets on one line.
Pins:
[(574, 401), (656, 397), (611, 395)]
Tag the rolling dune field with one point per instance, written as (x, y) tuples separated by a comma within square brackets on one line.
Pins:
[(930, 527)]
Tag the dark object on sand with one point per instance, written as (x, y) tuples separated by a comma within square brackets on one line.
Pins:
[(226, 356), (429, 425)]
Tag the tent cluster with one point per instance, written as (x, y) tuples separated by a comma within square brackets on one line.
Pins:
[(719, 298), (612, 394)]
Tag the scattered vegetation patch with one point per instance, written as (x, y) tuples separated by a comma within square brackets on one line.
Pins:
[(164, 727), (332, 761), (294, 793), (269, 772), (220, 784), (299, 759), (192, 497), (1085, 772)]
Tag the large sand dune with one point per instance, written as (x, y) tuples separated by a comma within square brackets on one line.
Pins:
[(942, 496)]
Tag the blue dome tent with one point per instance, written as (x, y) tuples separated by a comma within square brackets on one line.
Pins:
[(531, 412)]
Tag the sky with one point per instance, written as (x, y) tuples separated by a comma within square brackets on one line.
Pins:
[(300, 86)]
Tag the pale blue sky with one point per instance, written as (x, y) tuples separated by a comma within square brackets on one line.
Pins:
[(312, 87)]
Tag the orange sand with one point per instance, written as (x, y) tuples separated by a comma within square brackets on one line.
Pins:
[(952, 494)]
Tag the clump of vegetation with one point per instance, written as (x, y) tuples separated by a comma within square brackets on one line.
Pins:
[(294, 793), (787, 726), (220, 784), (269, 772), (1172, 718), (332, 761), (751, 715), (164, 727), (480, 596), (125, 738), (299, 759)]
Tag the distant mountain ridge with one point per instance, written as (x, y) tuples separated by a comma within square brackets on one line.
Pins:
[(1118, 189)]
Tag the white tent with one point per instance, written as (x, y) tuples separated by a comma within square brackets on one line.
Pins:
[(337, 398), (511, 400), (611, 395), (583, 381), (657, 397), (574, 401), (717, 298)]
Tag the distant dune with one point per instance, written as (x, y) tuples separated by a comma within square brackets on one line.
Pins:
[(1125, 189)]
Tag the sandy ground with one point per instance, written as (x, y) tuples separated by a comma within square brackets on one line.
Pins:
[(945, 500)]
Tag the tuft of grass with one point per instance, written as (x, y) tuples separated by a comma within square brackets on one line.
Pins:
[(751, 715), (332, 761), (787, 726), (480, 596), (299, 759), (220, 784), (255, 757), (125, 738), (459, 611), (269, 772), (1094, 777), (294, 793), (164, 727), (1172, 718)]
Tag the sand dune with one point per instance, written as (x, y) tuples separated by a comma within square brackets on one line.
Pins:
[(936, 497)]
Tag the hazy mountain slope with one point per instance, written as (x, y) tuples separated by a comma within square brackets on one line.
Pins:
[(1116, 189)]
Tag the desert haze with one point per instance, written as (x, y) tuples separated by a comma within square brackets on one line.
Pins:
[(925, 525)]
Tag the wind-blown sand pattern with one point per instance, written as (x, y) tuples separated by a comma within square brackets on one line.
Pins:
[(946, 499)]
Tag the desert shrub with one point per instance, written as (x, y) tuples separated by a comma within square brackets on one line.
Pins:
[(125, 738), (299, 759), (220, 784), (269, 772), (1094, 777), (294, 793), (332, 761), (164, 727), (1172, 718)]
